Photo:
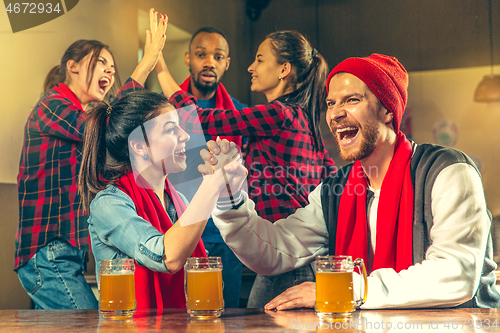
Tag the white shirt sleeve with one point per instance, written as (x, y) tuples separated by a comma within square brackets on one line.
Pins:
[(274, 248), (450, 273)]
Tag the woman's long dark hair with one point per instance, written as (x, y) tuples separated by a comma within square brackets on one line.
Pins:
[(106, 154), (77, 51), (309, 73)]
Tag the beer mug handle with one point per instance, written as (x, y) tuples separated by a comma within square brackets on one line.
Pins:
[(362, 270), (185, 280)]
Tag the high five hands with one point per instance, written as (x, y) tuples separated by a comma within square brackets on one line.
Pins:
[(155, 36), (155, 41)]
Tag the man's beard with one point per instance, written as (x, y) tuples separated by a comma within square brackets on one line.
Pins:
[(203, 87), (369, 134)]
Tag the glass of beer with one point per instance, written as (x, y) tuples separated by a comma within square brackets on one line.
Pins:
[(117, 288), (334, 286), (203, 287)]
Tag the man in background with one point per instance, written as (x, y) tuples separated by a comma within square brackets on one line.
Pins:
[(208, 60)]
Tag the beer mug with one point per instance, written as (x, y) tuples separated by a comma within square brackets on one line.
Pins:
[(117, 288), (334, 285), (203, 287)]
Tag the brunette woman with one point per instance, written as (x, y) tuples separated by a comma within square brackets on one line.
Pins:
[(52, 239), (135, 212), (286, 157)]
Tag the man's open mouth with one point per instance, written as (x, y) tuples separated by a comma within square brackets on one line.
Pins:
[(347, 133)]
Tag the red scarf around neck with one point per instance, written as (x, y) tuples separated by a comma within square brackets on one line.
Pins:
[(65, 92), (222, 101), (394, 214), (155, 289)]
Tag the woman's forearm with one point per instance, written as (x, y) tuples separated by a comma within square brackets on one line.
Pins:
[(167, 82), (140, 74), (180, 241)]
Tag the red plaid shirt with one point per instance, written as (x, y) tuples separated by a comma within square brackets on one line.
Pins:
[(49, 204), (284, 167)]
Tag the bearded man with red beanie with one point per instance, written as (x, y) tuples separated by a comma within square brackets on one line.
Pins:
[(416, 214)]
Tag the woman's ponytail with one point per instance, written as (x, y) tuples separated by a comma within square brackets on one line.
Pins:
[(108, 129), (94, 154), (308, 78), (53, 78), (313, 93)]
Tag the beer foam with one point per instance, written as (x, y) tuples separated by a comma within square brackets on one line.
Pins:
[(203, 270), (118, 273)]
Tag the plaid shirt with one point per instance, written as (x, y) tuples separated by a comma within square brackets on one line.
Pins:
[(49, 204), (284, 167)]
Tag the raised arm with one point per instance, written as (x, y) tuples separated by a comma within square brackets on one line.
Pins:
[(155, 40), (167, 82)]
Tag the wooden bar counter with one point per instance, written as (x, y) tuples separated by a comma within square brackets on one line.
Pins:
[(253, 320)]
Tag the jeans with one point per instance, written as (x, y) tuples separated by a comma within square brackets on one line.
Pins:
[(265, 288), (231, 272), (53, 278)]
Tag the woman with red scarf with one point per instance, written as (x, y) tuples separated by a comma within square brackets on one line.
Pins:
[(285, 156), (52, 239), (129, 150)]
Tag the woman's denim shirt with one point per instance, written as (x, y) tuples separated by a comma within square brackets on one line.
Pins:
[(117, 232)]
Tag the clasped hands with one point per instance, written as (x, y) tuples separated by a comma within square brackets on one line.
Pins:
[(225, 156)]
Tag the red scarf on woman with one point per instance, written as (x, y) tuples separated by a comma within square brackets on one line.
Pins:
[(65, 92), (155, 289), (222, 101), (394, 214)]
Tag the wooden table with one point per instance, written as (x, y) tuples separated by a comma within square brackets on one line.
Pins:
[(253, 320)]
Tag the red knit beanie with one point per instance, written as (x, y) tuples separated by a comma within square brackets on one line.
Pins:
[(386, 78)]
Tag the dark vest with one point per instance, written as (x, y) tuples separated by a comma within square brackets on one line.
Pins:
[(426, 163)]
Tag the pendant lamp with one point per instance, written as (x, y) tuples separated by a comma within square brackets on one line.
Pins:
[(488, 89)]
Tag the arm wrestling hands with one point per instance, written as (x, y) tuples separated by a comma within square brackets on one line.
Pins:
[(225, 153)]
